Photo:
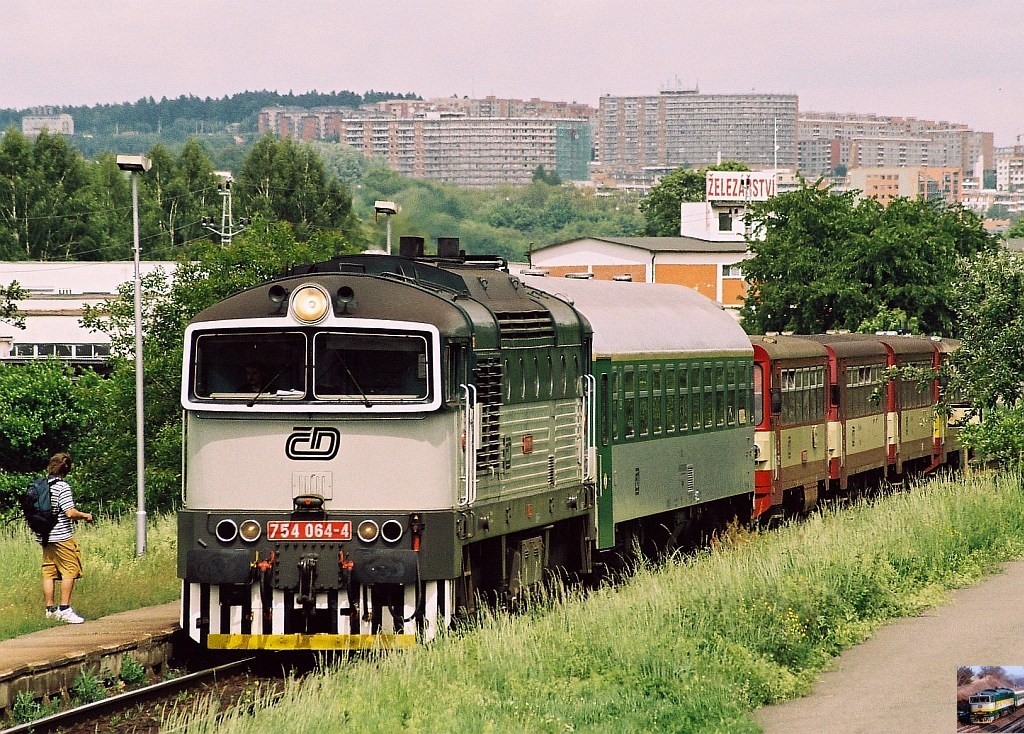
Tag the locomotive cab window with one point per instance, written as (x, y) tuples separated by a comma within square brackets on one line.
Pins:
[(261, 366), (356, 367)]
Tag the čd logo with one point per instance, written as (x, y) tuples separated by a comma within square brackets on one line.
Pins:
[(319, 443)]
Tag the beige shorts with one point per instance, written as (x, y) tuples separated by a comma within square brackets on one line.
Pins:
[(62, 559)]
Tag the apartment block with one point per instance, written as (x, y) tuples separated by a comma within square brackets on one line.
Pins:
[(886, 183), (486, 107), (831, 140), (1010, 169), (63, 124), (473, 151), (686, 128)]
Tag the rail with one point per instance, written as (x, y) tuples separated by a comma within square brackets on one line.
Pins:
[(124, 701)]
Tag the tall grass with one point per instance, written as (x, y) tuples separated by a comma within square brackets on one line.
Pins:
[(693, 646), (113, 578)]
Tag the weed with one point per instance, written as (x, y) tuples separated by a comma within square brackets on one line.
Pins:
[(133, 673), (26, 708), (87, 688)]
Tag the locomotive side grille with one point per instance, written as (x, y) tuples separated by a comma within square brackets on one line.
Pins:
[(525, 328), (488, 388)]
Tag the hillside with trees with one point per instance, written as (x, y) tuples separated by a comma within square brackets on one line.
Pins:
[(193, 114)]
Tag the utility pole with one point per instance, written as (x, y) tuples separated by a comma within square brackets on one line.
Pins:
[(227, 228)]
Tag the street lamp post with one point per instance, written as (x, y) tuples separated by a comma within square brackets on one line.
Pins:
[(136, 164), (387, 208)]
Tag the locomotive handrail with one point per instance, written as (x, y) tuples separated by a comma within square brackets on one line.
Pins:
[(469, 429), (589, 391)]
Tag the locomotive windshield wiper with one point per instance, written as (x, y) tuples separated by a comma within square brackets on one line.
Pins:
[(355, 383), (270, 382)]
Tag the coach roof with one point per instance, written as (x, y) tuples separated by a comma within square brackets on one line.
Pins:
[(648, 318)]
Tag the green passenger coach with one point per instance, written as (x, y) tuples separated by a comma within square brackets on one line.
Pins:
[(672, 373)]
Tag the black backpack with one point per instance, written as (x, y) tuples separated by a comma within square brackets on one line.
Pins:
[(37, 506)]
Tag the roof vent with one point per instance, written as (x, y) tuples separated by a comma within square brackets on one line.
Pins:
[(409, 246)]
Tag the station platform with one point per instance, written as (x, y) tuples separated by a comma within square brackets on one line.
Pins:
[(46, 662)]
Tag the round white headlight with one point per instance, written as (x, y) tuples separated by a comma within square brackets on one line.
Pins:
[(310, 304)]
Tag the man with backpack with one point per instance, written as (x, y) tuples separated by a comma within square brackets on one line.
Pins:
[(62, 559)]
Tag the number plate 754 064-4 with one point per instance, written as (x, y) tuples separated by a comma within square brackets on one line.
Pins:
[(309, 530)]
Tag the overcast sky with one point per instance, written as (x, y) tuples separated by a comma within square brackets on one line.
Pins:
[(933, 59)]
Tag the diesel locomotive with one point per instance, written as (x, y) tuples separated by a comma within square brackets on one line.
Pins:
[(375, 444)]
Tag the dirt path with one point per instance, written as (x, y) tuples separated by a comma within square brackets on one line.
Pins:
[(903, 679)]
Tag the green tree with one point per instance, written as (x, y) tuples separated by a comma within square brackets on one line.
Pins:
[(45, 199), (9, 297), (890, 319), (660, 207), (540, 174), (1016, 229), (988, 298), (823, 260), (285, 181), (210, 273), (42, 414), (111, 205)]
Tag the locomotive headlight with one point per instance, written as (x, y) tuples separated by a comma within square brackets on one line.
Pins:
[(226, 530), (250, 531), (310, 304), (368, 531)]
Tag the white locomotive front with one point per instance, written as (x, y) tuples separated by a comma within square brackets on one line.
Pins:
[(369, 444)]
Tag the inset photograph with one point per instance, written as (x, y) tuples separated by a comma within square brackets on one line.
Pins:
[(990, 698)]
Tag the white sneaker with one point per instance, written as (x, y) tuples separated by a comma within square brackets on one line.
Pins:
[(69, 615), (51, 614)]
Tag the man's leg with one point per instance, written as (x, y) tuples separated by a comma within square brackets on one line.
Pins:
[(48, 591), (67, 585)]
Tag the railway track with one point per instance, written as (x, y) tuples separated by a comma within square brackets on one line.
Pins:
[(143, 709)]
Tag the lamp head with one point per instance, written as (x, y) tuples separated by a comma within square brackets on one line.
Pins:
[(134, 163)]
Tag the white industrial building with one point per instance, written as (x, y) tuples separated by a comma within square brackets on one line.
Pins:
[(57, 295)]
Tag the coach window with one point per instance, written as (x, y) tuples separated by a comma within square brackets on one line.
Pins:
[(721, 391), (629, 402), (707, 384), (696, 398), (671, 403), (684, 397), (916, 392), (356, 367), (730, 393), (608, 415), (657, 396), (643, 397), (616, 402), (758, 394)]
